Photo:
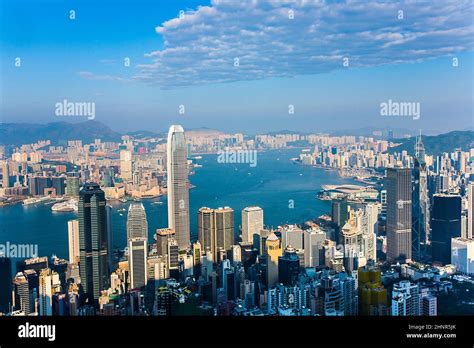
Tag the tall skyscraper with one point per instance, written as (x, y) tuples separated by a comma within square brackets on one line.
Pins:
[(5, 175), (93, 241), (398, 185), (216, 229), (72, 184), (470, 211), (313, 247), (445, 224), (273, 247), (73, 240), (137, 225), (46, 292), (22, 293), (420, 203), (178, 186), (288, 267), (137, 258), (252, 223), (339, 215), (162, 235), (5, 284), (126, 165)]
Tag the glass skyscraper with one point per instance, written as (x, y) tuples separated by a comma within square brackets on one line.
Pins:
[(93, 241), (178, 186)]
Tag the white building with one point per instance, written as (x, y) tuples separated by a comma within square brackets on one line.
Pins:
[(462, 255), (313, 247), (73, 240), (252, 223)]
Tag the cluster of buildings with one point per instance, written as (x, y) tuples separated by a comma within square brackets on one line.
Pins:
[(388, 255)]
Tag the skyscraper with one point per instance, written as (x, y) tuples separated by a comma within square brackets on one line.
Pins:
[(313, 247), (216, 229), (137, 225), (137, 256), (73, 240), (288, 267), (93, 241), (5, 284), (126, 165), (470, 211), (398, 185), (5, 175), (162, 235), (252, 223), (22, 293), (420, 203), (273, 247), (405, 299), (178, 186), (46, 292), (446, 224)]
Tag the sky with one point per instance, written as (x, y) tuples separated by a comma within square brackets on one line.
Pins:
[(251, 66)]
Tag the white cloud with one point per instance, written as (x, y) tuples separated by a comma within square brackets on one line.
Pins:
[(202, 45)]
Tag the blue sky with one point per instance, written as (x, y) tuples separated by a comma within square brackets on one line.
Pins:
[(283, 60)]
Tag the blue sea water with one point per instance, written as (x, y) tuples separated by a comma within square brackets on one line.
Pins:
[(271, 184)]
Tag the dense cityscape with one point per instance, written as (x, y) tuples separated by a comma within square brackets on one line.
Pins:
[(392, 244)]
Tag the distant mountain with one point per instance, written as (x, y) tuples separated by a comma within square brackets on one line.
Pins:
[(57, 132), (435, 145)]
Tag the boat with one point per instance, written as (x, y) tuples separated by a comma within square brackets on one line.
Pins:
[(121, 210), (68, 206), (198, 157), (158, 202), (34, 200)]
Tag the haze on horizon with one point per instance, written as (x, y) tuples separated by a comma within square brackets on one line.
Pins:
[(240, 66)]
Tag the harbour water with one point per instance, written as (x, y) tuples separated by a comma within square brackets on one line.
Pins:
[(286, 191)]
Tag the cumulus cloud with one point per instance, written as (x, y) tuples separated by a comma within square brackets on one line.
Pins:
[(234, 40)]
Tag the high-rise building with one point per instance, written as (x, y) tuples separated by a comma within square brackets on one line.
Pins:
[(398, 185), (429, 306), (162, 235), (224, 218), (173, 254), (22, 293), (288, 267), (5, 175), (420, 203), (137, 225), (46, 292), (73, 240), (339, 214), (72, 184), (462, 255), (5, 284), (405, 299), (216, 230), (313, 247), (291, 235), (273, 251), (137, 256), (126, 165), (93, 240), (470, 211), (178, 186), (445, 225), (372, 294), (252, 223)]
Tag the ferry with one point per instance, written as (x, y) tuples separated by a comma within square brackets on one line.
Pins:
[(198, 157), (158, 202)]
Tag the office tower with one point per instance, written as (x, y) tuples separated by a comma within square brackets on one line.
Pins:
[(197, 253), (420, 203), (405, 299), (5, 175), (157, 268), (216, 230), (224, 223), (291, 235), (163, 301), (429, 306), (5, 284), (178, 186), (470, 211), (236, 253), (57, 183), (398, 185), (383, 203), (72, 184), (372, 294), (46, 292), (252, 223), (110, 236), (137, 225), (462, 255), (173, 254), (339, 215), (288, 267), (273, 251), (464, 226), (137, 256), (445, 224), (22, 293), (35, 263), (369, 231), (162, 235), (313, 247), (126, 165), (349, 294), (206, 230), (73, 240), (93, 243)]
